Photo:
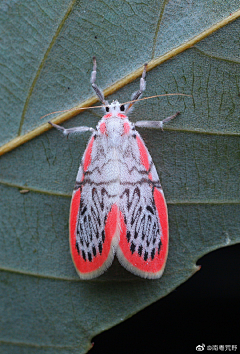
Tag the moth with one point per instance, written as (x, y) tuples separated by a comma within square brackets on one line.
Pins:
[(118, 206)]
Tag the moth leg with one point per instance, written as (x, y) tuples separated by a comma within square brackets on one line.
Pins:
[(99, 92), (155, 124), (136, 95), (71, 130)]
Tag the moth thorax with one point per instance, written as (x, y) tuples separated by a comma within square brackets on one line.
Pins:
[(114, 130)]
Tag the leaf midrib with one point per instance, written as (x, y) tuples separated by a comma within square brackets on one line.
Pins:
[(21, 139)]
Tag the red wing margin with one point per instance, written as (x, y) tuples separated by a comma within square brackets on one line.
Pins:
[(143, 245), (91, 237)]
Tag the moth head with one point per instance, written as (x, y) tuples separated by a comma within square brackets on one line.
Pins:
[(115, 107)]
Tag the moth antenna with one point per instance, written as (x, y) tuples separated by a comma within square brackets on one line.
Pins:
[(147, 98), (128, 102), (71, 109)]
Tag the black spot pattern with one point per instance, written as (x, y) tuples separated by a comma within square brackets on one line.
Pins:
[(143, 227), (90, 233)]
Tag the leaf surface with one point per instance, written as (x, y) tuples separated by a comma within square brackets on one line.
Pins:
[(46, 65)]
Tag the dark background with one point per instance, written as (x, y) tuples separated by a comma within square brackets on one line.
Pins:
[(205, 309)]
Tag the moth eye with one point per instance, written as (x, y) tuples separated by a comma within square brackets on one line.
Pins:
[(107, 109), (122, 108)]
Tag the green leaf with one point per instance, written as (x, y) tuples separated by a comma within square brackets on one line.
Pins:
[(46, 51)]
